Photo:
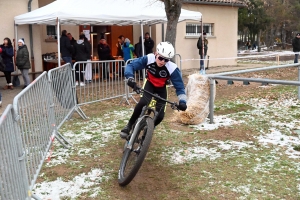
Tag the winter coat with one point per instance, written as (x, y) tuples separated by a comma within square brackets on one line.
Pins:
[(119, 50), (149, 44), (89, 47), (199, 46), (65, 46), (138, 48), (128, 50), (7, 56), (296, 44), (81, 51), (104, 52), (22, 59), (73, 43)]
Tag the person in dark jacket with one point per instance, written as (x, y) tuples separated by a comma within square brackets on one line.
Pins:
[(296, 47), (200, 47), (7, 56), (72, 42), (23, 62), (65, 47), (138, 51), (81, 51), (149, 44), (119, 44), (104, 53)]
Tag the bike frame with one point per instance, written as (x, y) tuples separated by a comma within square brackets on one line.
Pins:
[(144, 116)]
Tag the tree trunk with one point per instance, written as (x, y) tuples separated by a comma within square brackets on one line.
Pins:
[(258, 41), (173, 10)]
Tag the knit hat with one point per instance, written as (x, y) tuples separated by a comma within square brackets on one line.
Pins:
[(22, 41), (127, 40)]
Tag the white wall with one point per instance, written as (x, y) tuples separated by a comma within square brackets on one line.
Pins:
[(10, 9), (222, 45)]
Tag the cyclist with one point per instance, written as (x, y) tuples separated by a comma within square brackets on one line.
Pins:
[(159, 69)]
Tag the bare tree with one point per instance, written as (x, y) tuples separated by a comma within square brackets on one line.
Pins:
[(173, 10)]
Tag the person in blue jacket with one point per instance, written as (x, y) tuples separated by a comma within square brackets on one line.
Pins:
[(159, 69), (128, 50), (7, 56)]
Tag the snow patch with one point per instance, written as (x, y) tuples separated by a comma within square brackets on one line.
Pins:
[(275, 137), (73, 188), (219, 121), (200, 152)]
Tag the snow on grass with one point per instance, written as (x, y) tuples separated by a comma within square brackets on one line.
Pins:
[(219, 121), (267, 111), (100, 130), (276, 138), (82, 183), (201, 151)]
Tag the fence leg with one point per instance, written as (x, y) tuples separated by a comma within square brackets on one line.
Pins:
[(35, 197), (127, 96), (211, 101)]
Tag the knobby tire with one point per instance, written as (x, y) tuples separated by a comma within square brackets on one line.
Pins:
[(126, 179)]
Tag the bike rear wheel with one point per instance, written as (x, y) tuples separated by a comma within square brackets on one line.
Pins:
[(133, 158)]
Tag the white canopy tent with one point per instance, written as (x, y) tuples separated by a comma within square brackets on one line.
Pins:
[(101, 12)]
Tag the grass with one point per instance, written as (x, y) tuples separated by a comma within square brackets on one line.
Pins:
[(245, 169)]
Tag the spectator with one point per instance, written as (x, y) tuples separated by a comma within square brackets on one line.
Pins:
[(119, 46), (128, 50), (81, 51), (23, 62), (65, 48), (200, 47), (7, 56), (138, 51), (88, 67), (73, 43), (104, 53), (296, 47), (149, 44)]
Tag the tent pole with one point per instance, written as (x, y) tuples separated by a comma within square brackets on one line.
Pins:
[(162, 32), (16, 36), (202, 37), (143, 50), (58, 43)]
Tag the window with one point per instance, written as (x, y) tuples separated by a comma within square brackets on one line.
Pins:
[(51, 31), (195, 29)]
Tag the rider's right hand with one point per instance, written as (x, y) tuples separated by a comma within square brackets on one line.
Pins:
[(182, 105), (131, 83)]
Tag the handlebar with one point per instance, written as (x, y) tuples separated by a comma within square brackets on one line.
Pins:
[(174, 105)]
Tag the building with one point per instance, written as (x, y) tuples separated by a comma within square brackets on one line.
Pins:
[(219, 18)]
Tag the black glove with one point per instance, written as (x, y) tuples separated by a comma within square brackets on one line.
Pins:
[(182, 105), (131, 83)]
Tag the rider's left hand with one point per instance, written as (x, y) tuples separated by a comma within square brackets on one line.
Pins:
[(182, 105)]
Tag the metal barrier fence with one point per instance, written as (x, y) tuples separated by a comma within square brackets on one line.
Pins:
[(36, 120), (13, 184), (99, 80), (222, 76), (29, 126), (64, 94)]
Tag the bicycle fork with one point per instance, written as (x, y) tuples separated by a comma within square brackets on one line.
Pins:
[(135, 132)]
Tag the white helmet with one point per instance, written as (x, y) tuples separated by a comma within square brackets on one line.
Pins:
[(165, 49)]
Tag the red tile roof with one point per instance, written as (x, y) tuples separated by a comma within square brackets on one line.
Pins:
[(237, 3)]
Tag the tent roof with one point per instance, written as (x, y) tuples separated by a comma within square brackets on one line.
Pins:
[(102, 12)]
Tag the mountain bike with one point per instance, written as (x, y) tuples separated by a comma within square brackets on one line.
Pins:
[(139, 139)]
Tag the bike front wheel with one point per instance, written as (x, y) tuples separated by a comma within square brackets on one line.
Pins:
[(133, 158)]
